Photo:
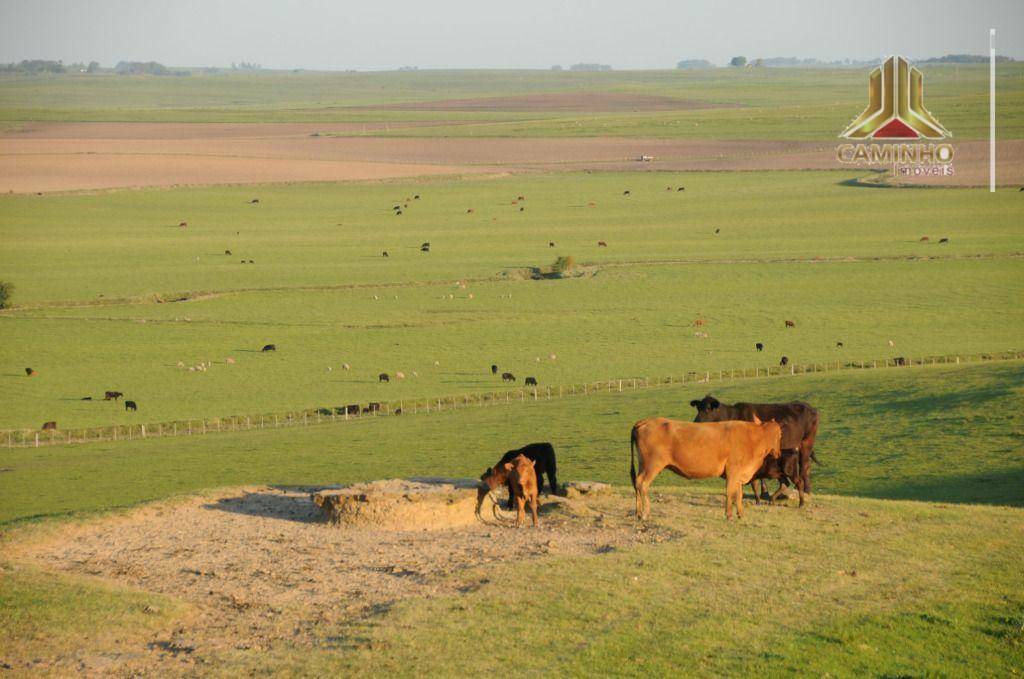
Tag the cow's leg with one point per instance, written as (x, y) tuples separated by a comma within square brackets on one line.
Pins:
[(753, 487), (643, 483), (520, 511), (783, 486), (539, 474), (534, 501), (552, 481), (733, 495), (510, 505)]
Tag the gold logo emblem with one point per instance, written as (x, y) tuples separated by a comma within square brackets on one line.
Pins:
[(895, 106)]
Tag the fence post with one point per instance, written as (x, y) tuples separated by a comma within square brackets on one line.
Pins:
[(37, 439), (143, 430)]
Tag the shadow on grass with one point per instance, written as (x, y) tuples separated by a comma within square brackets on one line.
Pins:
[(298, 508), (989, 488)]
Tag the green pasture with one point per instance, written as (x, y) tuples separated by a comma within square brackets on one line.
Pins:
[(322, 293), (875, 584), (772, 103)]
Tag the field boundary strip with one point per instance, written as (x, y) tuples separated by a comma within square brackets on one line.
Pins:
[(25, 438)]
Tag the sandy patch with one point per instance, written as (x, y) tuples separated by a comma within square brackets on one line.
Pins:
[(557, 102), (261, 564)]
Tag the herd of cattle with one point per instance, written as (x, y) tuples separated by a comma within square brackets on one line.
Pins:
[(742, 443)]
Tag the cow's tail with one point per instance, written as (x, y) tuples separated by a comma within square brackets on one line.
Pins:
[(632, 456), (815, 458)]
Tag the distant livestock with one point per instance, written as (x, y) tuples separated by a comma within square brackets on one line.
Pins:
[(602, 244), (699, 323), (790, 324), (130, 405), (899, 360), (494, 369), (759, 346), (530, 381), (784, 361), (399, 375), (681, 188), (255, 201), (383, 377), (470, 211), (551, 244), (227, 252), (839, 345), (269, 347), (925, 239), (508, 377), (86, 398), (384, 254), (425, 247), (183, 224), (416, 197), (112, 395), (50, 426), (626, 192), (943, 240), (30, 372)]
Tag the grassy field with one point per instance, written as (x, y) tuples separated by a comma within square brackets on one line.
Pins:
[(322, 293), (847, 585), (775, 103)]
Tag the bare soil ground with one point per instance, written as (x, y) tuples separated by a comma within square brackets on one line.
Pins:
[(87, 156), (576, 102), (260, 565)]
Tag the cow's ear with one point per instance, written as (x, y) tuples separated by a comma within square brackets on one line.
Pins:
[(695, 403), (507, 466), (533, 463), (757, 420), (712, 402)]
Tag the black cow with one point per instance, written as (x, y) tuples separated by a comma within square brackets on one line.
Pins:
[(130, 405), (227, 252), (530, 381), (551, 244), (543, 457), (30, 372), (759, 346), (373, 407), (494, 369), (352, 409), (508, 377), (799, 423), (900, 360), (383, 377), (943, 240), (384, 254), (839, 345), (425, 247), (269, 347), (107, 395), (49, 426), (784, 361), (785, 470)]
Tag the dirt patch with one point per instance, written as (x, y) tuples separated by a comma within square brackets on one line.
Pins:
[(578, 102), (261, 566), (401, 504)]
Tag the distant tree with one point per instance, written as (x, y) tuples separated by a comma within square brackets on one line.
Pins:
[(93, 67), (738, 61), (757, 63), (694, 64), (6, 290)]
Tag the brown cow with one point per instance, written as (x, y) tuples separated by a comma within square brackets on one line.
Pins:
[(733, 450), (602, 244), (790, 324), (49, 426), (521, 477)]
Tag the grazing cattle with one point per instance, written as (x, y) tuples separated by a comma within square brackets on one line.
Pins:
[(470, 211), (668, 188), (352, 409), (130, 405), (227, 252), (785, 470), (108, 395), (383, 377), (899, 360), (346, 366), (255, 201), (520, 197), (397, 208), (48, 426), (425, 246), (543, 457), (839, 345), (681, 188), (602, 244), (86, 398), (717, 231), (925, 239), (790, 324), (784, 361), (494, 369), (416, 197), (508, 377), (520, 477), (183, 224), (732, 450), (759, 346), (891, 343), (385, 254), (626, 192), (399, 375), (373, 407), (397, 213), (522, 209), (251, 262), (530, 381), (591, 204), (943, 240), (699, 322), (269, 347), (30, 372), (799, 423)]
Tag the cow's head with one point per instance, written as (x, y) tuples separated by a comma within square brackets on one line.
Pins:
[(773, 436), (708, 409), (494, 477)]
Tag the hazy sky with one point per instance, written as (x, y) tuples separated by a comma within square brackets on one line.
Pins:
[(385, 34)]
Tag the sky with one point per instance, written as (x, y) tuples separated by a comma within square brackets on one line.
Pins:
[(387, 34)]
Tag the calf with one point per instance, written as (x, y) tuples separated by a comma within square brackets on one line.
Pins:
[(130, 405), (523, 484), (383, 377), (785, 470), (530, 381), (732, 450), (108, 395), (269, 347), (508, 377), (543, 457)]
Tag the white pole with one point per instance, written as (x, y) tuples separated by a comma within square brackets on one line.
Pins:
[(991, 110)]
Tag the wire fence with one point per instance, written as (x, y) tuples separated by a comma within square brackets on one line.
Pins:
[(352, 412)]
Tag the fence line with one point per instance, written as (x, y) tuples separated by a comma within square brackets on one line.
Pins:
[(33, 438)]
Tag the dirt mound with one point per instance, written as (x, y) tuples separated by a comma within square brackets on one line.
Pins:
[(400, 504)]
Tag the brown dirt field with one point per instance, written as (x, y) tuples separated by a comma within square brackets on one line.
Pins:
[(259, 565), (77, 156), (557, 102)]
